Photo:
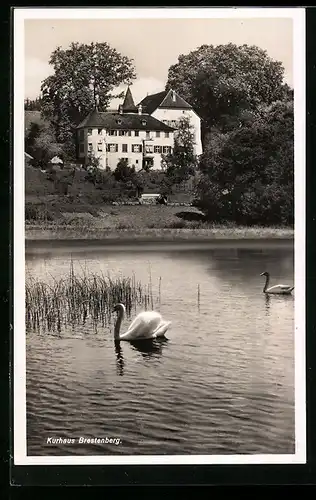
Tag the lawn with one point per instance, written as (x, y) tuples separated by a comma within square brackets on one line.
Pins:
[(135, 222)]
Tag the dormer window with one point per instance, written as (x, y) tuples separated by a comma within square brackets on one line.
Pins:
[(119, 121), (144, 122)]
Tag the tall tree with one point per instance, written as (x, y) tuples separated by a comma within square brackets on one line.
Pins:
[(84, 74), (222, 81), (247, 175)]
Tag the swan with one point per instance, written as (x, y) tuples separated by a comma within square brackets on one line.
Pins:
[(276, 289), (147, 325)]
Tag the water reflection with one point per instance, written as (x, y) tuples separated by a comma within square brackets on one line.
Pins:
[(268, 303), (148, 348), (119, 358)]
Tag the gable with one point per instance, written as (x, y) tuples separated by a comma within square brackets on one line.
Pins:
[(166, 99)]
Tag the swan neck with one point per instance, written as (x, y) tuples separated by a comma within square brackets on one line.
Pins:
[(118, 323), (266, 283)]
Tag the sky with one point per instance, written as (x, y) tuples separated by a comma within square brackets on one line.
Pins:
[(153, 44)]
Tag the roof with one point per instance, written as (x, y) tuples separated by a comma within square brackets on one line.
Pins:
[(164, 100), (125, 121), (93, 119), (128, 104)]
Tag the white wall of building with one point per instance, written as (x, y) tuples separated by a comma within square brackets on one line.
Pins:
[(97, 142), (175, 114)]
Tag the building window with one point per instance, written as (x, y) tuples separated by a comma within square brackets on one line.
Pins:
[(113, 132), (136, 133), (124, 133), (166, 149), (157, 134), (90, 148), (81, 135), (124, 148), (112, 148), (136, 148), (147, 134), (166, 135), (157, 149), (149, 149), (89, 131), (119, 121), (81, 147), (136, 161), (144, 123), (99, 131), (100, 146)]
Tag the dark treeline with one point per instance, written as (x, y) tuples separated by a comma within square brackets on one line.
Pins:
[(32, 104)]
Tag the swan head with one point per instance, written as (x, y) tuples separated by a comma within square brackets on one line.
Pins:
[(119, 308), (264, 274)]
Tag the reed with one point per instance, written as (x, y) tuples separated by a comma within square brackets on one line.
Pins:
[(75, 299)]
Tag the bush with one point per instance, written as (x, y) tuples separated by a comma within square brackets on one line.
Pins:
[(38, 212)]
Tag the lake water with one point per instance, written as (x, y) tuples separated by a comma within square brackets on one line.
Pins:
[(223, 382)]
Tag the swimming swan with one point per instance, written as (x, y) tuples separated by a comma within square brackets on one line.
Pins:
[(147, 325), (276, 289)]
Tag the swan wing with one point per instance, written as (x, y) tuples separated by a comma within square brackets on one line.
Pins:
[(280, 288), (161, 330), (142, 326)]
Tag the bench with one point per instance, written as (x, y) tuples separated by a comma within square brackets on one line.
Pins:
[(148, 199)]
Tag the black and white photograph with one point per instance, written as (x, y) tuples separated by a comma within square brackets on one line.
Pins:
[(159, 236)]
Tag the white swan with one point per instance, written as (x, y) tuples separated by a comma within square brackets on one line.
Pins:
[(147, 325), (276, 289)]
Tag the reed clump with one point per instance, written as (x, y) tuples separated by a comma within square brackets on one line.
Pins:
[(74, 299)]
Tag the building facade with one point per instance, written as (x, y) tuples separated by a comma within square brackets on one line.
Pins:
[(132, 133), (169, 107)]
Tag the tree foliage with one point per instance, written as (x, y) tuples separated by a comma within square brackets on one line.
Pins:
[(181, 162), (41, 144), (83, 75), (222, 81), (247, 175)]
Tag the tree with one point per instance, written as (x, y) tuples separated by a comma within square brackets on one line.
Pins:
[(220, 82), (84, 74), (41, 144), (181, 162), (32, 104), (247, 175), (124, 173)]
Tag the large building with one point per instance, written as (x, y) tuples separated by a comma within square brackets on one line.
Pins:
[(140, 134)]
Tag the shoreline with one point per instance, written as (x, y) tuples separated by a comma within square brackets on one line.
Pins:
[(59, 237)]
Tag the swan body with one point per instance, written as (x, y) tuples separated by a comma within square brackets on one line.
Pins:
[(146, 325), (276, 289)]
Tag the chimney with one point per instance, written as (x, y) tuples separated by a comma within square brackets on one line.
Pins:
[(173, 96), (140, 109)]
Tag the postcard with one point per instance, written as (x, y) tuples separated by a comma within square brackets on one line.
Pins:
[(159, 236)]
